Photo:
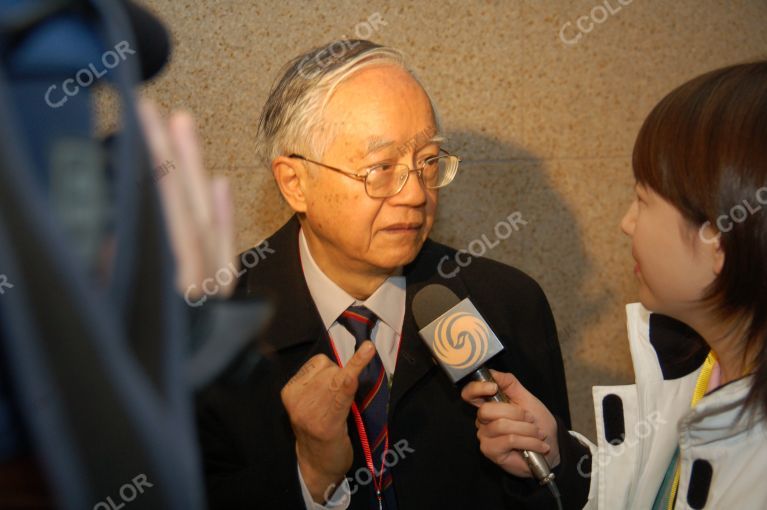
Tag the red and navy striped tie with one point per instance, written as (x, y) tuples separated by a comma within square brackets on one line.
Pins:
[(372, 399)]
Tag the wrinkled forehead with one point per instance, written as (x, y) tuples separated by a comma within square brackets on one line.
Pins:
[(380, 108)]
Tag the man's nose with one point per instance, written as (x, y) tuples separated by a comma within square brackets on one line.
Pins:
[(414, 191)]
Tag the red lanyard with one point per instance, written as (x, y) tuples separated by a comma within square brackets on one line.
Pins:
[(377, 484)]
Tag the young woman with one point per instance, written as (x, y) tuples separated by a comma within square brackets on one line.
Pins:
[(692, 431)]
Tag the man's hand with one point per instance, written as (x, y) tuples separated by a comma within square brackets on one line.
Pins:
[(504, 429), (318, 399)]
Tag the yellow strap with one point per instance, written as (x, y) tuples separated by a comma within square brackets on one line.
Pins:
[(700, 390)]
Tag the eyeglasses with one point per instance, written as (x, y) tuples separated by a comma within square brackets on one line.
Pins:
[(387, 179)]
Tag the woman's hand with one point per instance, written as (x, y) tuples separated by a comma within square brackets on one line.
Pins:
[(505, 428)]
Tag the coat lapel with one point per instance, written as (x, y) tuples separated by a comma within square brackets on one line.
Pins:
[(296, 332), (413, 363), (415, 360)]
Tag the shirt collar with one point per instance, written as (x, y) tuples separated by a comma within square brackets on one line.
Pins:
[(387, 302)]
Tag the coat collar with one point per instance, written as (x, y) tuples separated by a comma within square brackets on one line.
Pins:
[(679, 350), (721, 414), (278, 276)]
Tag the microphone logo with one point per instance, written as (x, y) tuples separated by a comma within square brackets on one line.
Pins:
[(461, 340)]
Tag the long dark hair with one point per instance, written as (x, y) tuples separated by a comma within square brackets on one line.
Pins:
[(704, 149)]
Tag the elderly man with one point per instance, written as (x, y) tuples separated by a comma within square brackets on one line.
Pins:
[(332, 420)]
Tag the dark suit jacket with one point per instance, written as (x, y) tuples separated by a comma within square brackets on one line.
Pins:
[(247, 442)]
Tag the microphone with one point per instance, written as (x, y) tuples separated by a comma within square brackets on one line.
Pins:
[(461, 341)]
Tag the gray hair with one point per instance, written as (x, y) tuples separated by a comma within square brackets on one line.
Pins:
[(291, 120)]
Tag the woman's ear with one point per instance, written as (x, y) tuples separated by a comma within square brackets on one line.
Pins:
[(718, 256), (713, 242), (291, 176)]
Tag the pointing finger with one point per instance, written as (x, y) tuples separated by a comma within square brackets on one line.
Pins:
[(360, 360), (346, 380)]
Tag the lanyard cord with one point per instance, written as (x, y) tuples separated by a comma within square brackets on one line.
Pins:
[(364, 441), (700, 389), (377, 484)]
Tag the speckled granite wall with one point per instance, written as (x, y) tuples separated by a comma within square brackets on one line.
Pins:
[(543, 108)]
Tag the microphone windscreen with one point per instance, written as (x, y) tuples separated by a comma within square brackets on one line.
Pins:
[(431, 302)]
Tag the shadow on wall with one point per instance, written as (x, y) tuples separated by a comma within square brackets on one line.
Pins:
[(515, 198)]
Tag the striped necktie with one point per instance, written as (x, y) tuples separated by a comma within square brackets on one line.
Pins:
[(372, 400)]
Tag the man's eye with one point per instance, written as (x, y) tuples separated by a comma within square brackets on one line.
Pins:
[(428, 160), (383, 168)]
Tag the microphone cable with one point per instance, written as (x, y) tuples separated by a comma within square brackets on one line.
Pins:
[(552, 485)]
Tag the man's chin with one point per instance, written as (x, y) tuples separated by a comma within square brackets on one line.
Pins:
[(398, 258)]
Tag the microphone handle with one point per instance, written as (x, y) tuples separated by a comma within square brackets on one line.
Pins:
[(535, 461)]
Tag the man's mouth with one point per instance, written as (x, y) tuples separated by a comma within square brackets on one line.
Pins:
[(403, 227)]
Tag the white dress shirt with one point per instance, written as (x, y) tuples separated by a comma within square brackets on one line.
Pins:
[(387, 302)]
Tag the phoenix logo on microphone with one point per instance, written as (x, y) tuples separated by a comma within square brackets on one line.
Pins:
[(461, 340)]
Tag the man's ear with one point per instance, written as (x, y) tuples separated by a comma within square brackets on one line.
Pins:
[(291, 176)]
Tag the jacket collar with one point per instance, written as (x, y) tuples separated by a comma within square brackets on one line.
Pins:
[(720, 414), (679, 350), (278, 277)]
